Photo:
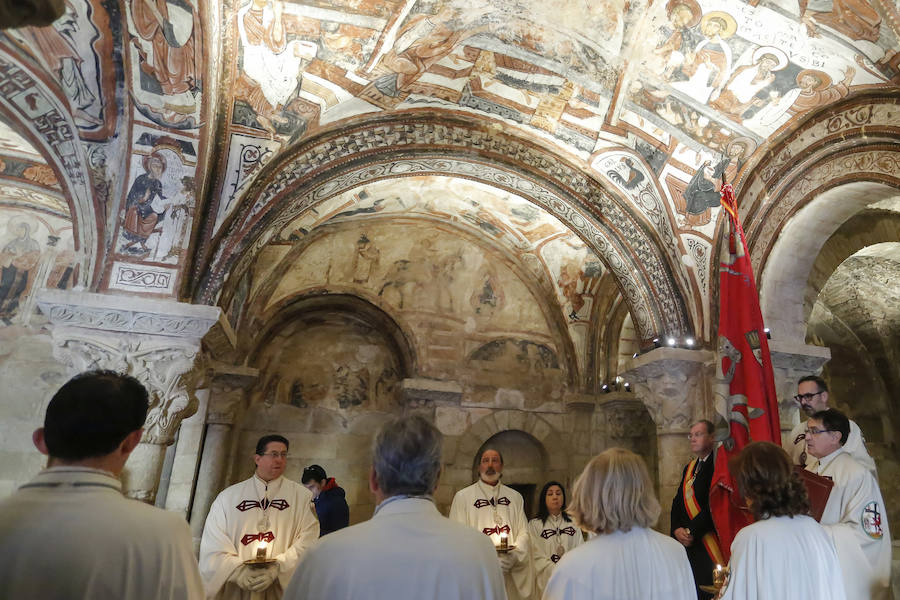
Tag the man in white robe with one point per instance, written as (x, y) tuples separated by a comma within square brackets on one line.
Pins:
[(265, 509), (407, 550), (70, 533), (812, 395), (494, 509), (854, 514)]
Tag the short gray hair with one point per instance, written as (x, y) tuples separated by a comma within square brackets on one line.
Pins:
[(407, 456)]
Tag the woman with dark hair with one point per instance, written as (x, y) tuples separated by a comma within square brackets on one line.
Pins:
[(785, 553), (551, 534)]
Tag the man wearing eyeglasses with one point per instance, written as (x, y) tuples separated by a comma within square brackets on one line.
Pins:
[(854, 514), (812, 396), (266, 516)]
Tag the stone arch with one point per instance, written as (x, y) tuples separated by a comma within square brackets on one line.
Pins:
[(541, 290), (305, 305), (414, 144), (834, 164), (532, 424), (38, 109), (785, 277), (525, 463)]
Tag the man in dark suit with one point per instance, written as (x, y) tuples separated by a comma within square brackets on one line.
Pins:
[(692, 523)]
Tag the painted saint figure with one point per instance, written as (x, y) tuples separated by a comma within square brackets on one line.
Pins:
[(176, 62), (142, 211), (814, 89), (740, 92), (710, 62), (17, 259), (272, 66)]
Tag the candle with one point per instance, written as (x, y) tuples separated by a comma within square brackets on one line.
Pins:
[(718, 577), (504, 541), (261, 550)]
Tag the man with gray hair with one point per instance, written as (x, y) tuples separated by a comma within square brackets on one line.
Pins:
[(407, 549)]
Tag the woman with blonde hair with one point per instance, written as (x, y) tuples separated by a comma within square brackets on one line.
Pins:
[(613, 498)]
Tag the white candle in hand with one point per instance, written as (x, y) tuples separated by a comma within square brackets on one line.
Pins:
[(261, 550), (504, 541)]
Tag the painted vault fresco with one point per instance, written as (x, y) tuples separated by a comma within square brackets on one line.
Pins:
[(180, 107)]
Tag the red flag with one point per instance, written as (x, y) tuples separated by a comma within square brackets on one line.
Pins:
[(745, 385)]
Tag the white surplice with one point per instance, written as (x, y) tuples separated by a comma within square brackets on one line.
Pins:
[(407, 550), (855, 517), (70, 534), (480, 506), (855, 447), (246, 513), (545, 539), (783, 557), (640, 564)]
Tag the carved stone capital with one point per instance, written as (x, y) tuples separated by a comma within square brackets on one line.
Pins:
[(624, 415), (228, 391), (671, 384), (127, 314), (790, 362), (155, 341)]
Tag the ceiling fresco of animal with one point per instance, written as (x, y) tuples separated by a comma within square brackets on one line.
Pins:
[(177, 140)]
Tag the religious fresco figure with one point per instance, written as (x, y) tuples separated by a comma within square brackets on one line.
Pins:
[(365, 260), (709, 63), (669, 55), (145, 204), (741, 89), (272, 66), (421, 42), (857, 19), (176, 63), (18, 258), (56, 48), (814, 89)]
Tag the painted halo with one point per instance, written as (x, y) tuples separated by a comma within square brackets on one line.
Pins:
[(776, 52)]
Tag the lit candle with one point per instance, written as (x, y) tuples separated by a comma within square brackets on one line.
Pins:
[(504, 541), (261, 550), (718, 577)]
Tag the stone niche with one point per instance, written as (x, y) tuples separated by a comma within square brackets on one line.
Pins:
[(327, 381)]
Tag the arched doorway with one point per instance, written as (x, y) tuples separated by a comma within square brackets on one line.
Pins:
[(524, 464)]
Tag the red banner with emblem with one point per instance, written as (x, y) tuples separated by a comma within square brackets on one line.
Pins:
[(745, 384)]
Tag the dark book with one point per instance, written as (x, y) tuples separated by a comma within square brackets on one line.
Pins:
[(818, 488)]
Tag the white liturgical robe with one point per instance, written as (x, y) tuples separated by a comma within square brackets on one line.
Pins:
[(546, 540), (783, 557), (70, 534), (279, 513), (492, 510), (406, 551), (640, 564), (855, 447), (855, 517)]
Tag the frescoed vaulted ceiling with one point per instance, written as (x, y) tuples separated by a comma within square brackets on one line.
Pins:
[(185, 140)]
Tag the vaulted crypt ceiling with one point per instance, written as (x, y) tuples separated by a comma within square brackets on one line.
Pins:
[(194, 142)]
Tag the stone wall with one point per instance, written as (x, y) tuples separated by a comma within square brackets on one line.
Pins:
[(30, 376)]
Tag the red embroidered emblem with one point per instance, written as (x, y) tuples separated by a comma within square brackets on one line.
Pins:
[(263, 537), (498, 530)]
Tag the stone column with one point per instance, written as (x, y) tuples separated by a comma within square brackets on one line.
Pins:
[(156, 341), (626, 423), (675, 386), (228, 394), (790, 362)]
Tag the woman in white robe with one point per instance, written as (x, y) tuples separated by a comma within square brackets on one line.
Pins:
[(614, 498), (552, 534), (785, 553)]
